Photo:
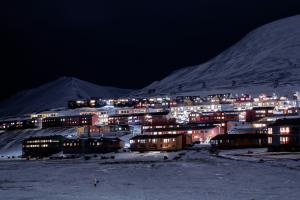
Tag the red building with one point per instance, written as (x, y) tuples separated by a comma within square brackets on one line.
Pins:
[(200, 132), (66, 121), (213, 117), (258, 113)]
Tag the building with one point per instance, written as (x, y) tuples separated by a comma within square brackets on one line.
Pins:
[(258, 113), (92, 103), (136, 118), (153, 102), (212, 117), (166, 142), (107, 130), (236, 141), (125, 102), (284, 135), (69, 121), (92, 145), (43, 146), (102, 115), (14, 124), (129, 111), (201, 133), (73, 146), (43, 115)]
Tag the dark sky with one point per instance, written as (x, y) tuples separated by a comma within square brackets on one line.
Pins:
[(126, 44)]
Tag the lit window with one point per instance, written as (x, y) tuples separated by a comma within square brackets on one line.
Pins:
[(269, 140), (284, 130), (166, 140), (270, 131), (143, 141), (284, 140)]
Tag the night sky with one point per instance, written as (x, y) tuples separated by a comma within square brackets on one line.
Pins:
[(126, 44)]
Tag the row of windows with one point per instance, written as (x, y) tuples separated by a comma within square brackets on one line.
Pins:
[(166, 140), (42, 141), (71, 144), (283, 130), (35, 145)]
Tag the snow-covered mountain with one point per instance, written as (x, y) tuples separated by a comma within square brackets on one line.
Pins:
[(265, 60), (55, 94)]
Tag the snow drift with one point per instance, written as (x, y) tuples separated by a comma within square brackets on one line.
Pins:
[(266, 60)]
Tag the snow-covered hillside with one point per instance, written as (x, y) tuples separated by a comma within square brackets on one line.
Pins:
[(11, 141), (56, 94), (266, 60)]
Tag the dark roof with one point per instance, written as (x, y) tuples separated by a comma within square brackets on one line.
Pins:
[(156, 136), (264, 108), (239, 136), (140, 114), (93, 139), (287, 121)]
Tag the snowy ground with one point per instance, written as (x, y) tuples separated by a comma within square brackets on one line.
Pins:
[(196, 175)]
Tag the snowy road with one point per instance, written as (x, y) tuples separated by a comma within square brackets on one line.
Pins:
[(197, 176)]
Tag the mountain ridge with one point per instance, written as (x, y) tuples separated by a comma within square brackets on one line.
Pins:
[(268, 56), (56, 94)]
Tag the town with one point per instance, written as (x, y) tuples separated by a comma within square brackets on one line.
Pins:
[(163, 123)]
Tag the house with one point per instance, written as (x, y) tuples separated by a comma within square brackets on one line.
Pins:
[(166, 142), (236, 141), (69, 121), (42, 146), (92, 145), (284, 135)]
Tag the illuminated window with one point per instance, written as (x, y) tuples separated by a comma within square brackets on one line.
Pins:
[(284, 140), (166, 140), (143, 141), (270, 131), (284, 130), (269, 140)]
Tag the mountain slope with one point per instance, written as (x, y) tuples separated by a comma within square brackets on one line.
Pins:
[(56, 94), (265, 60)]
